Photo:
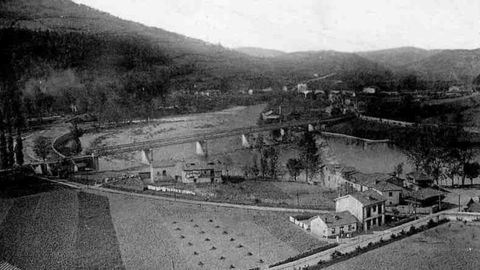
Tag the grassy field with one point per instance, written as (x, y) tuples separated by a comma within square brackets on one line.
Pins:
[(450, 246), (57, 229)]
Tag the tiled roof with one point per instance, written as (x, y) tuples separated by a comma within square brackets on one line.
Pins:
[(368, 197), (338, 219), (424, 194), (386, 186), (418, 176), (368, 179), (203, 165), (474, 207)]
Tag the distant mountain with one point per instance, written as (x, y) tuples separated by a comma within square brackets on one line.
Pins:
[(259, 52), (398, 57), (449, 65), (194, 62)]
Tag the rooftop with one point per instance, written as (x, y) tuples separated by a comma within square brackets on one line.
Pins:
[(368, 179), (368, 197), (338, 219), (419, 176), (386, 186), (203, 165), (425, 193)]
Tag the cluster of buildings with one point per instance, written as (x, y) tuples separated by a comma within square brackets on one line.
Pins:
[(189, 172), (366, 200)]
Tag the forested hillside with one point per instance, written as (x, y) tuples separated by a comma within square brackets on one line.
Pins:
[(58, 56)]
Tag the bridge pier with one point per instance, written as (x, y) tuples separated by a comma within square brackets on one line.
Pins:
[(96, 164), (147, 158), (201, 148), (245, 142)]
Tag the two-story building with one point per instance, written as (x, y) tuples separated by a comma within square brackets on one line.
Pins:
[(392, 193), (368, 207), (202, 172)]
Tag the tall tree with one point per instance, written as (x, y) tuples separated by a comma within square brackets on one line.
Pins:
[(309, 155), (471, 171), (294, 167), (19, 150), (42, 147), (272, 155)]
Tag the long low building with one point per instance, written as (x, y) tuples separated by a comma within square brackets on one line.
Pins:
[(328, 225)]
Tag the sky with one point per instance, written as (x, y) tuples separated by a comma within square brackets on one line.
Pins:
[(300, 25)]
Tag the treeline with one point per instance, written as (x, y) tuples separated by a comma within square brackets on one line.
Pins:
[(442, 152)]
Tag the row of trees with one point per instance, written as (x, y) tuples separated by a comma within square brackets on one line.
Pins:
[(441, 152), (266, 163)]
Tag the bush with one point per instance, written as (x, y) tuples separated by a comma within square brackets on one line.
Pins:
[(306, 254), (431, 223), (336, 254)]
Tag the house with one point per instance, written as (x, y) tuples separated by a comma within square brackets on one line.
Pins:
[(424, 197), (202, 172), (473, 205), (391, 192), (418, 179), (368, 207), (328, 225), (341, 224), (270, 115), (368, 90)]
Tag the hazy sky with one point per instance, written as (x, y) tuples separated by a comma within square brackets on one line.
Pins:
[(295, 25)]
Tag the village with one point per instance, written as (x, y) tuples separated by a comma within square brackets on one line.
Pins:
[(295, 135)]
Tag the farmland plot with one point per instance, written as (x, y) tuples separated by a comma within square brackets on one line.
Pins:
[(450, 246), (153, 233)]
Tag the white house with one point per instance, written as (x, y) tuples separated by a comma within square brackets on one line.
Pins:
[(342, 224), (327, 225), (368, 207), (369, 90)]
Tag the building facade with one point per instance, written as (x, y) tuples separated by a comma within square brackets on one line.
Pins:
[(202, 172), (368, 207)]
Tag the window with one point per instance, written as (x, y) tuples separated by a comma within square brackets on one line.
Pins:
[(368, 212), (390, 194), (333, 230), (374, 208), (379, 209)]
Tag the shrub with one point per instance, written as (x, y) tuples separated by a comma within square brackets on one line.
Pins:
[(222, 258), (249, 254), (336, 254), (225, 232), (431, 223), (207, 239), (240, 246), (213, 248), (195, 253), (200, 263), (232, 239), (190, 244)]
